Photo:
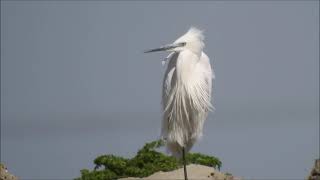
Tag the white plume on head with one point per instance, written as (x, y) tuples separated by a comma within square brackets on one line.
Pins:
[(196, 32), (194, 40)]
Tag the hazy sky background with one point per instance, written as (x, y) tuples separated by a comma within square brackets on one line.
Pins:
[(75, 83)]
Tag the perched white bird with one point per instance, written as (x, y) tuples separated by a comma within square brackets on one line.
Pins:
[(186, 95)]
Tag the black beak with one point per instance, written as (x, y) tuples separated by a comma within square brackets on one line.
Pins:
[(166, 47)]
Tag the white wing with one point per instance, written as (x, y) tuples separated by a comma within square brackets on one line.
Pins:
[(204, 68), (185, 99), (169, 78)]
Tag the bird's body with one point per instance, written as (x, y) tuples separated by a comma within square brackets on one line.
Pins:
[(185, 99), (186, 95)]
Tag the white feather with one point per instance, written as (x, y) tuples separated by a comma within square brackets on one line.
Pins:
[(186, 93)]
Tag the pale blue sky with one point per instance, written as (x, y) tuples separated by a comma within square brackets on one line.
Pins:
[(75, 83)]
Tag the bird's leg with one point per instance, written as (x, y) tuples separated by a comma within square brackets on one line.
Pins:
[(184, 164)]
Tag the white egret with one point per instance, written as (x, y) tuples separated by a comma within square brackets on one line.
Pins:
[(186, 93)]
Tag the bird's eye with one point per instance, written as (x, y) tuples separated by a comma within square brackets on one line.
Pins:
[(182, 44)]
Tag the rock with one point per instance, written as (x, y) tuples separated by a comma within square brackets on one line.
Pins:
[(315, 172), (194, 172), (5, 175)]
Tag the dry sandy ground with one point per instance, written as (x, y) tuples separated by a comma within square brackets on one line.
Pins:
[(195, 172)]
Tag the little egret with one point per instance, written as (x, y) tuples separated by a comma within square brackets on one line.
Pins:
[(186, 93)]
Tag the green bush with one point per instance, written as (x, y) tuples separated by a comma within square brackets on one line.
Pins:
[(197, 158), (146, 162)]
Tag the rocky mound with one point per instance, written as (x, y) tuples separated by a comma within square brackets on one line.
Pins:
[(5, 175), (315, 172), (195, 171)]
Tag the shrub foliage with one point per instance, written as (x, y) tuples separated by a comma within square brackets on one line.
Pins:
[(146, 162)]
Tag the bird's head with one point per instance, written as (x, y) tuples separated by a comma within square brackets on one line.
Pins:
[(191, 40)]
